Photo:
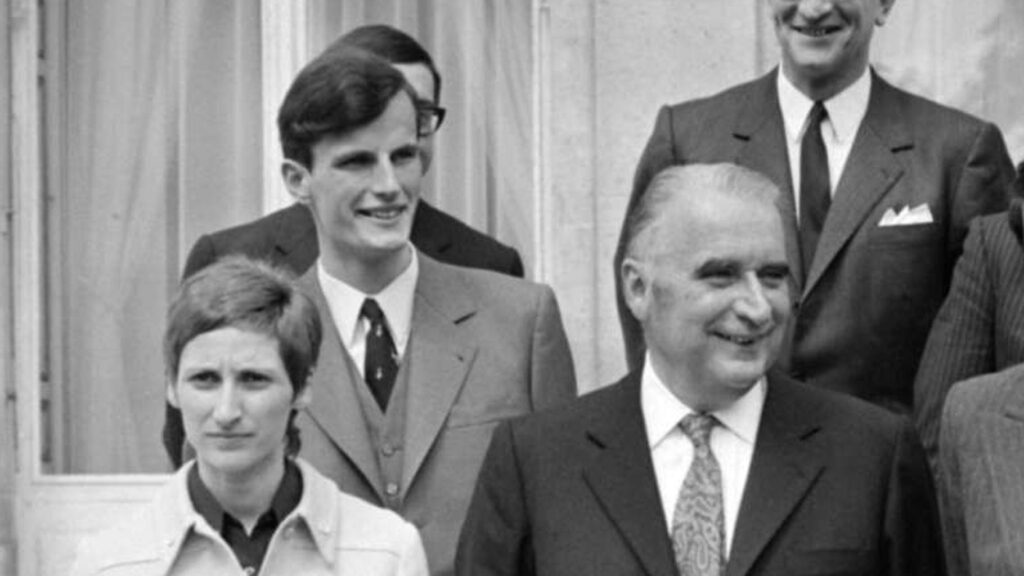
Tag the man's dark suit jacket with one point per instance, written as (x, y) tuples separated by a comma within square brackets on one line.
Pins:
[(288, 238), (980, 327), (836, 486), (981, 486), (871, 292)]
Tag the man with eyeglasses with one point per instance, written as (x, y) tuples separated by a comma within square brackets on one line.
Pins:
[(287, 237)]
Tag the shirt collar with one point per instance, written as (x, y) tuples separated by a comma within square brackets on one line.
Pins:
[(663, 410), (396, 300), (845, 110), (285, 499)]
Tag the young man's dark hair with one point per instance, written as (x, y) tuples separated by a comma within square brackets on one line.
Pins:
[(341, 90)]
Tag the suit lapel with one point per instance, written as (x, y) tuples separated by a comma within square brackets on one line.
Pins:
[(335, 407), (787, 460), (761, 136), (621, 476), (440, 355), (870, 171)]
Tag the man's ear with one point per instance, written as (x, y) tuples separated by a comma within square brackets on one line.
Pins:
[(296, 179), (636, 287), (171, 392), (883, 15)]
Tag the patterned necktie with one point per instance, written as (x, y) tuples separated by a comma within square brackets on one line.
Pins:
[(815, 197), (698, 523), (381, 364)]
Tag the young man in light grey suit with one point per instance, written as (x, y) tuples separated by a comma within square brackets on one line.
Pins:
[(877, 212), (981, 479), (422, 359)]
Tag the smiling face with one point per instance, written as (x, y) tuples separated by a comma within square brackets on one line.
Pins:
[(235, 399), (712, 294), (362, 188), (825, 43)]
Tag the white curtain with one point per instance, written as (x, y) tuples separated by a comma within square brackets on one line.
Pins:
[(483, 161), (108, 240), (161, 140)]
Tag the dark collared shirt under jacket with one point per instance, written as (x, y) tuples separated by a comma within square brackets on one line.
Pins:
[(249, 549)]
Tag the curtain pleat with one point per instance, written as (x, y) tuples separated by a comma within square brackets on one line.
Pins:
[(163, 144)]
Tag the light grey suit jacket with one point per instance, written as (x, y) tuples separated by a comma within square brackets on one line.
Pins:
[(484, 347), (981, 484)]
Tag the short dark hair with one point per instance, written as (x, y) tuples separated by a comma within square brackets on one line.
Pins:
[(339, 91), (393, 45), (251, 295)]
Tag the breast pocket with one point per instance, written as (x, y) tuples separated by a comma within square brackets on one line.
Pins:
[(892, 237)]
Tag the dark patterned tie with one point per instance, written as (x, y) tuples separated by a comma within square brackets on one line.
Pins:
[(815, 197), (698, 523), (381, 364)]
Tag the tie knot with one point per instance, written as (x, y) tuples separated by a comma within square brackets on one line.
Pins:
[(818, 114), (697, 428), (371, 310)]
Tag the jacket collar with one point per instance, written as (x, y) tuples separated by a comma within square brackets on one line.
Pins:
[(621, 475), (178, 520), (788, 458)]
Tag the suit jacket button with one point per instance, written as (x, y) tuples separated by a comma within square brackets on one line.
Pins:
[(388, 449), (391, 489)]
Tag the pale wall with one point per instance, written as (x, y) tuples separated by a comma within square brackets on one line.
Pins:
[(7, 430), (614, 63)]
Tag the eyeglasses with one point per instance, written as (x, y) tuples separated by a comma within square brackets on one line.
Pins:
[(430, 118)]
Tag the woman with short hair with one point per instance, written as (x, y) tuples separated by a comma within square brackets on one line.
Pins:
[(240, 343)]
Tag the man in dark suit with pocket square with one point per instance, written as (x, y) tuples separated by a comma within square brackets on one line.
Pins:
[(878, 185), (705, 461)]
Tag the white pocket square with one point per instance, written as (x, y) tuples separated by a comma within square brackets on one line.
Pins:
[(905, 216)]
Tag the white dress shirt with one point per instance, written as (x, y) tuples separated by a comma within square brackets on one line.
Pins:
[(845, 112), (395, 300), (732, 443)]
